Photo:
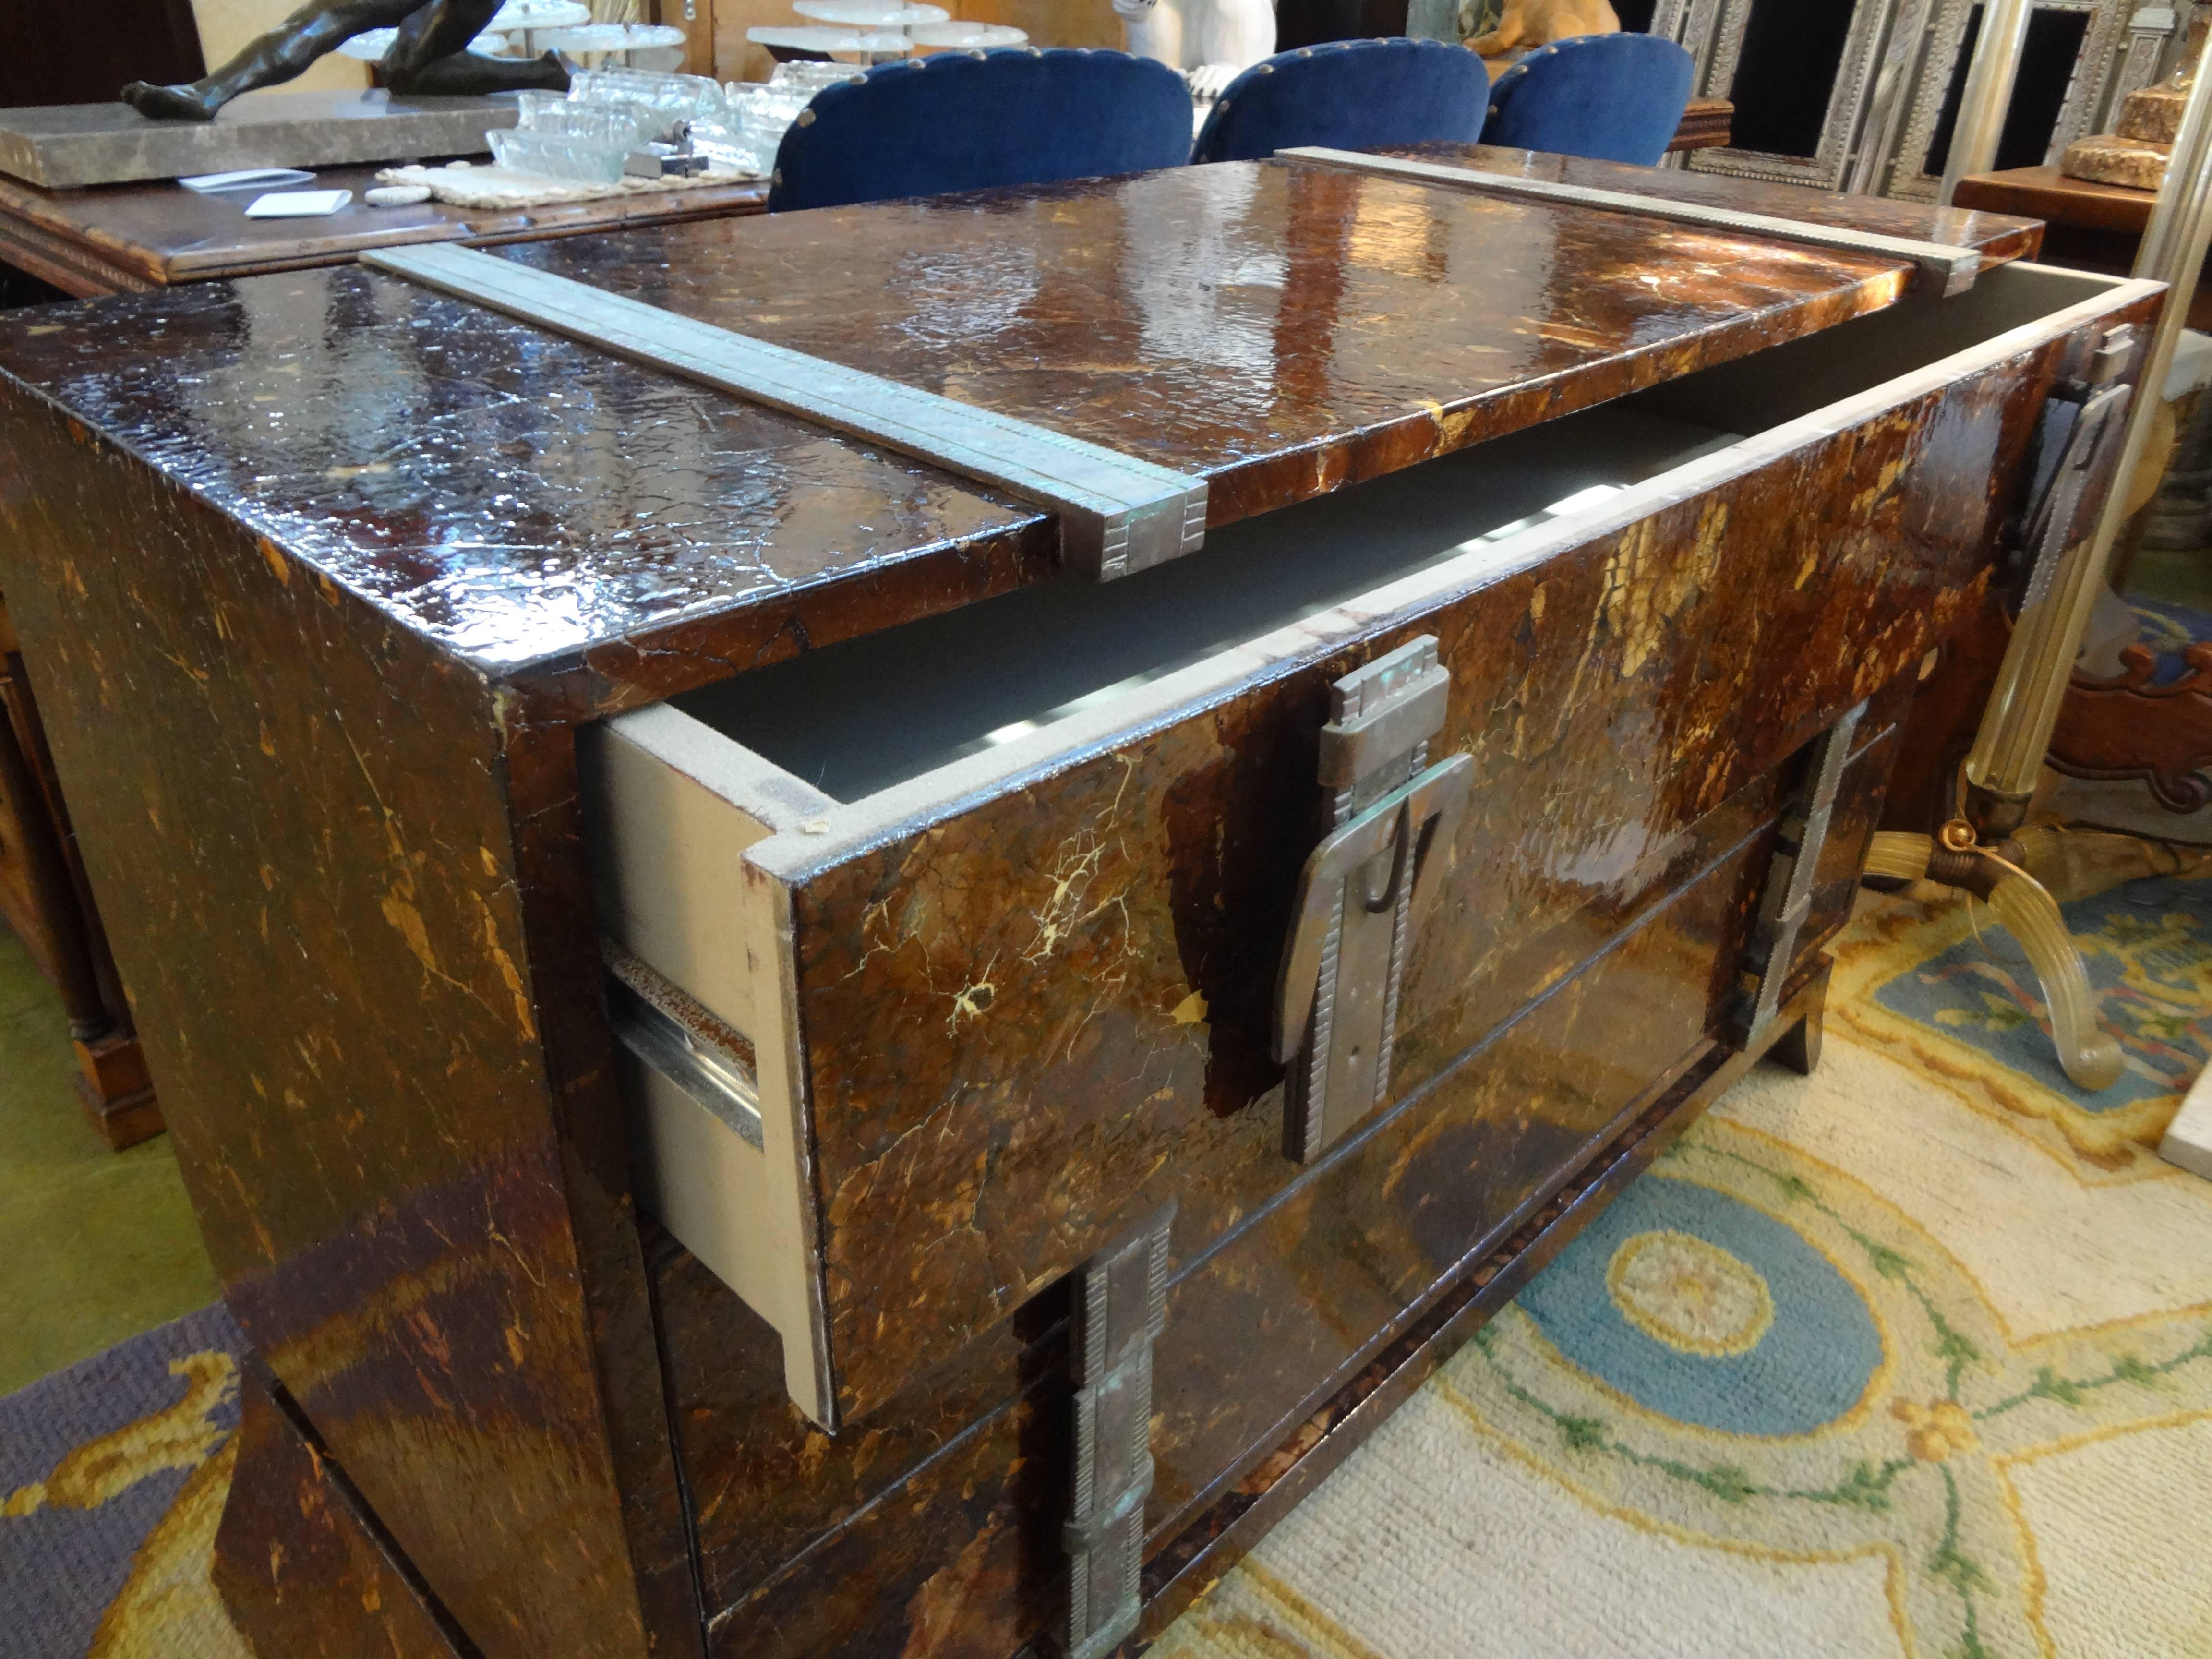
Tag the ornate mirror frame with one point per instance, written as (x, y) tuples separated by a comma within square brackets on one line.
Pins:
[(1713, 30), (2103, 45)]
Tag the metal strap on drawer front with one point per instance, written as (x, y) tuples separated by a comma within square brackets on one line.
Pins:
[(1120, 1308), (2077, 444), (1118, 514), (1949, 269), (1336, 1004), (1788, 900)]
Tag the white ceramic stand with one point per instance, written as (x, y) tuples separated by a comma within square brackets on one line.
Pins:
[(2188, 1143), (1212, 41)]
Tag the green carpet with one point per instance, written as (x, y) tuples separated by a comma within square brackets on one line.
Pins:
[(98, 1245)]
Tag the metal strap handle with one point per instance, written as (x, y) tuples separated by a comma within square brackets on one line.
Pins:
[(1406, 823), (1120, 1308)]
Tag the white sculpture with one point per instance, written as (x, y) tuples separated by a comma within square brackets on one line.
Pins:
[(1211, 41)]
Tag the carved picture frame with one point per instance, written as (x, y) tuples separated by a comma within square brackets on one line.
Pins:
[(1713, 31), (2103, 45)]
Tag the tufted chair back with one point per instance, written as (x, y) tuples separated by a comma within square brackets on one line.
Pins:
[(925, 126), (1614, 97), (1348, 94)]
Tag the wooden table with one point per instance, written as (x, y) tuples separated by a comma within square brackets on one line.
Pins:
[(2047, 194), (1704, 125), (124, 239), (2088, 226)]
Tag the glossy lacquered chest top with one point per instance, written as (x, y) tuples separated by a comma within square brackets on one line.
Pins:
[(1996, 236), (1279, 330)]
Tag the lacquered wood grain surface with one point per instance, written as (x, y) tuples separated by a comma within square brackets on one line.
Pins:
[(298, 1562), (1610, 698), (1283, 330), (1257, 1333), (1280, 329), (502, 494), (335, 957), (1258, 1328)]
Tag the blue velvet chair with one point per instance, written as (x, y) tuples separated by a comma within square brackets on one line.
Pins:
[(1348, 94), (1614, 97), (967, 121)]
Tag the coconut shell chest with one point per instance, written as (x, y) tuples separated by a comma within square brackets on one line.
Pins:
[(870, 997)]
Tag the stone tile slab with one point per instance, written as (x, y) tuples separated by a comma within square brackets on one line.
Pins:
[(68, 146)]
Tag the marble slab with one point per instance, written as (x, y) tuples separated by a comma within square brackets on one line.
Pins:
[(68, 146)]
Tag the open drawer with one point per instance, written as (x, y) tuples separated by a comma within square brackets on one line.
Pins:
[(950, 949)]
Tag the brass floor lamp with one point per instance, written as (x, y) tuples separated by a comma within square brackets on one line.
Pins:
[(1983, 851)]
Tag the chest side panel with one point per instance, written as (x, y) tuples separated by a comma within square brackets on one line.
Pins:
[(330, 977)]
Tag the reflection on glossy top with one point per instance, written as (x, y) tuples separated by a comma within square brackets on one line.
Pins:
[(1279, 329), (511, 494), (1282, 330)]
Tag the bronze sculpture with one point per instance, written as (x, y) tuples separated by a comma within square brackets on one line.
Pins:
[(430, 56)]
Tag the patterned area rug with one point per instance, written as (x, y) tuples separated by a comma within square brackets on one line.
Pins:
[(1911, 1358), (112, 1475)]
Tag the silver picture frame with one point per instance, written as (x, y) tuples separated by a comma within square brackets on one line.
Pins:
[(1902, 171), (1713, 31)]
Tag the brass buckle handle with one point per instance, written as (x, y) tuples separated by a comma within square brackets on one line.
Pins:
[(1403, 826)]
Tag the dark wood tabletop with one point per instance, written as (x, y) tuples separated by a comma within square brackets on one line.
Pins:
[(2047, 194), (126, 238), (1135, 312)]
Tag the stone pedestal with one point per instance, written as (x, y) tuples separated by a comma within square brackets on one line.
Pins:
[(2137, 153), (2108, 159)]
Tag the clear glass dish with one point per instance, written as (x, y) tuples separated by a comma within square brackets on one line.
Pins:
[(554, 156), (870, 14), (551, 115), (370, 45)]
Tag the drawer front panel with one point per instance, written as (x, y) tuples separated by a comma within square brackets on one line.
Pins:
[(1263, 1324), (1268, 1322), (1019, 1021), (779, 1484)]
